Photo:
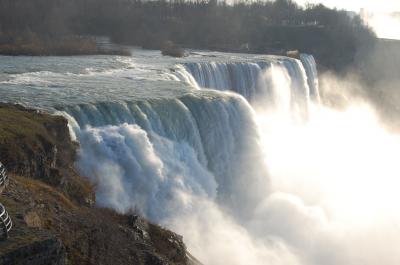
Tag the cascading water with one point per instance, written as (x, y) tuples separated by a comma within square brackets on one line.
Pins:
[(257, 81), (146, 154), (310, 67), (155, 138), (239, 77), (193, 156), (199, 153)]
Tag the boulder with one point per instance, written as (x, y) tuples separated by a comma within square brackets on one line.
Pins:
[(171, 49), (293, 54)]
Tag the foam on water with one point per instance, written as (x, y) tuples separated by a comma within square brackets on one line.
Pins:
[(204, 141)]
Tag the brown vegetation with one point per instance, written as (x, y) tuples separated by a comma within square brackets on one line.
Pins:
[(89, 235), (38, 145), (32, 45)]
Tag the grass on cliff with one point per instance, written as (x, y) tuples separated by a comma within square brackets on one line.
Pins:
[(90, 235), (18, 124), (23, 130), (22, 196), (38, 145)]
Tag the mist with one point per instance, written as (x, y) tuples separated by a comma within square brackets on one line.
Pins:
[(333, 199)]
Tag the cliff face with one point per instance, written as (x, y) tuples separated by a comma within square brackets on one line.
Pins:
[(37, 145), (51, 205)]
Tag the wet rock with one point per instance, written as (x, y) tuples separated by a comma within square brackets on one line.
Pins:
[(171, 49)]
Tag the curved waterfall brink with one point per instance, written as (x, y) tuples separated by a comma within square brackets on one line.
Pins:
[(310, 67), (241, 77), (262, 83), (147, 155), (150, 155)]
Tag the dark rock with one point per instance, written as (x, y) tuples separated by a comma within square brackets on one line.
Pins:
[(171, 49), (140, 226), (293, 54), (152, 259), (46, 252)]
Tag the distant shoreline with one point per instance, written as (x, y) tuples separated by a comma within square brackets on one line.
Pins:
[(65, 46)]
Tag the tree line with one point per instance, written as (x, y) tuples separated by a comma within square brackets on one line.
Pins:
[(335, 37)]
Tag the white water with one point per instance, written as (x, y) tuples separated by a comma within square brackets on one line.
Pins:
[(256, 81), (284, 180), (195, 143)]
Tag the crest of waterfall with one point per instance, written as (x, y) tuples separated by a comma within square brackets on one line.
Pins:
[(241, 77), (181, 74), (310, 66), (254, 80), (150, 154), (147, 155)]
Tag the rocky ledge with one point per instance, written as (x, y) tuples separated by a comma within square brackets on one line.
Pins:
[(52, 206)]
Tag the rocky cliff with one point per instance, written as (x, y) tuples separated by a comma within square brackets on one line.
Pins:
[(37, 145), (52, 206)]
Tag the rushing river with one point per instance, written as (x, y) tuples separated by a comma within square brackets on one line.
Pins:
[(236, 152)]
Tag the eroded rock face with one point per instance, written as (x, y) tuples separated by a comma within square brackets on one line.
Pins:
[(38, 145), (31, 149)]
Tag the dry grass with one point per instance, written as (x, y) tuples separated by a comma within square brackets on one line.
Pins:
[(44, 192)]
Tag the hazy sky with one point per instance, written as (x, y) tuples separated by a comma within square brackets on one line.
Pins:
[(356, 5), (380, 14)]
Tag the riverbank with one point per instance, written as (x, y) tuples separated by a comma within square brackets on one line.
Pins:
[(33, 45)]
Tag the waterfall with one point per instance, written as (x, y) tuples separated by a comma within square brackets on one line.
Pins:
[(256, 83), (147, 154), (195, 162), (239, 77), (310, 67)]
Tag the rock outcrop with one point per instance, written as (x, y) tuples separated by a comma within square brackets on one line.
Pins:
[(37, 145), (171, 49)]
